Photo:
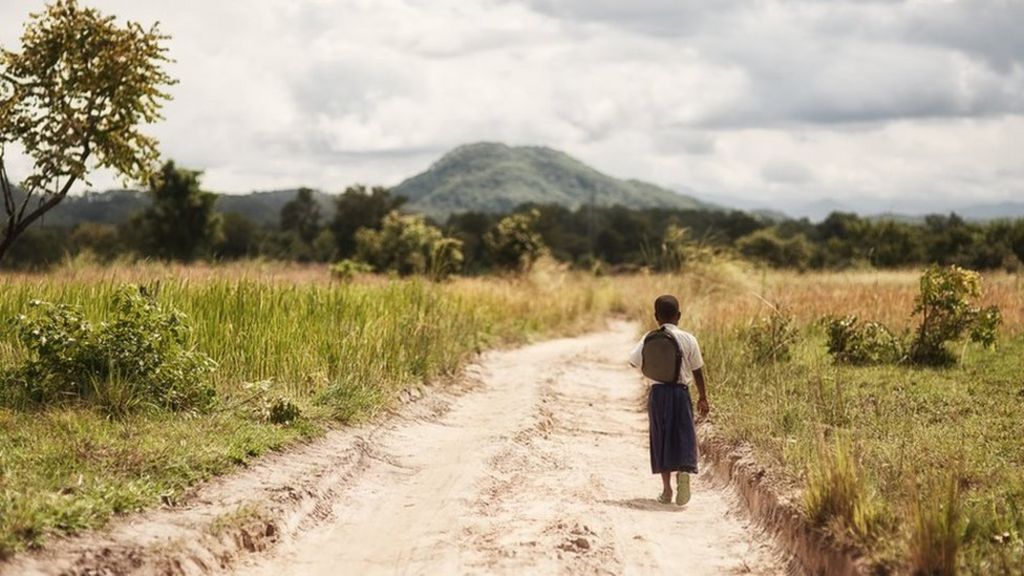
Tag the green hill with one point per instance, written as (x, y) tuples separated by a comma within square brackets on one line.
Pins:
[(496, 178)]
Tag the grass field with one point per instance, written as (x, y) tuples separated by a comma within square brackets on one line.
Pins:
[(877, 449), (339, 351), (887, 440)]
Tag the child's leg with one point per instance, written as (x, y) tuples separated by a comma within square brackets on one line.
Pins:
[(666, 481)]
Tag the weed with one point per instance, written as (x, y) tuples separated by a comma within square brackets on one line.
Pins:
[(936, 531)]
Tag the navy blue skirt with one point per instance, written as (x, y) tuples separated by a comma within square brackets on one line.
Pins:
[(673, 434)]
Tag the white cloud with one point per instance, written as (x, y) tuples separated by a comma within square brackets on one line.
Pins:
[(785, 101)]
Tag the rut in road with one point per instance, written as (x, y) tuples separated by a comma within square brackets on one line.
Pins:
[(542, 468)]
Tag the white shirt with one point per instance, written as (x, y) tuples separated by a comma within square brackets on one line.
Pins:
[(692, 360)]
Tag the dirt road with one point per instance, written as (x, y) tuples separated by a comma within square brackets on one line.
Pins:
[(541, 469)]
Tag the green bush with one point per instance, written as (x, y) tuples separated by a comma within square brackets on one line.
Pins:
[(853, 342), (771, 337), (947, 314), (514, 243), (407, 244), (142, 357), (346, 270)]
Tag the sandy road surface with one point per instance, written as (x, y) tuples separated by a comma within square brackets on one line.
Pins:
[(541, 469)]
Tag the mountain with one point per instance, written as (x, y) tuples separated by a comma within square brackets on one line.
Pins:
[(489, 177), (265, 207), (993, 211)]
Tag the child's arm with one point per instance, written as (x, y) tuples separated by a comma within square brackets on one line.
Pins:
[(702, 400)]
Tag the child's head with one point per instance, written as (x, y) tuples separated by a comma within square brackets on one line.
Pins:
[(666, 309)]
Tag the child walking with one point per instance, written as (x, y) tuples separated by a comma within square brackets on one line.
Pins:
[(671, 359)]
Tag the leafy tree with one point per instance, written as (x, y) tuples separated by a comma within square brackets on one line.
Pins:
[(360, 207), (240, 237), (513, 242), (302, 216), (74, 98), (407, 244), (181, 223)]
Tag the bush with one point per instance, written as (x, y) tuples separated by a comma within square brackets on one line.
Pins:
[(947, 314), (767, 246), (771, 337), (346, 270), (408, 245), (852, 342), (140, 358), (514, 244)]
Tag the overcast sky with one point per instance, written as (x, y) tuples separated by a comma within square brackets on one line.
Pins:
[(878, 104)]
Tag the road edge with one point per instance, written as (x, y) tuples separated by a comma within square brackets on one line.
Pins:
[(775, 511)]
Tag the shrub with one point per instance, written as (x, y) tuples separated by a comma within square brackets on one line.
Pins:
[(408, 245), (771, 337), (767, 246), (947, 314), (140, 358), (853, 342), (346, 270), (513, 243)]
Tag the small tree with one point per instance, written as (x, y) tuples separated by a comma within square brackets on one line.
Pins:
[(407, 244), (513, 243), (947, 314), (181, 224), (73, 98)]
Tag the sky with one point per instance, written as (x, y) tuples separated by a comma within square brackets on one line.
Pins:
[(874, 105)]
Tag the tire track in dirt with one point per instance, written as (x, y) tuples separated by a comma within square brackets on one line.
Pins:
[(541, 469)]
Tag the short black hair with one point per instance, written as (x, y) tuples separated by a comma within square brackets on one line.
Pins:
[(666, 307)]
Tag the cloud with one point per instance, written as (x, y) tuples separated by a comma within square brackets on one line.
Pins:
[(780, 100)]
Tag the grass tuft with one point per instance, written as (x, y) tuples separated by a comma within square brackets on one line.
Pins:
[(936, 531)]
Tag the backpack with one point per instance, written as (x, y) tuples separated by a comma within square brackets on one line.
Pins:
[(662, 356)]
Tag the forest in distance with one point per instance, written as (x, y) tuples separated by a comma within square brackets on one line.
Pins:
[(182, 222)]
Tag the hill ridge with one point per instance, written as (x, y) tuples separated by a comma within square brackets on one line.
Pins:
[(495, 177)]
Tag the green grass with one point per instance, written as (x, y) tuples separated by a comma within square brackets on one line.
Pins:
[(340, 351), (908, 431)]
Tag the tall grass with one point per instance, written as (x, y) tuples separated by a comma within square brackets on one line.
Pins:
[(340, 351), (837, 496), (936, 530), (335, 342)]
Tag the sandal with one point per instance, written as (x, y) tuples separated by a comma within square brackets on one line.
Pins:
[(663, 499), (682, 488)]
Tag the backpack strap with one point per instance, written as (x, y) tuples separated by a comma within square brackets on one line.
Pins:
[(679, 354)]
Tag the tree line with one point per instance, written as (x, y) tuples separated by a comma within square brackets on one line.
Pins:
[(369, 227)]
